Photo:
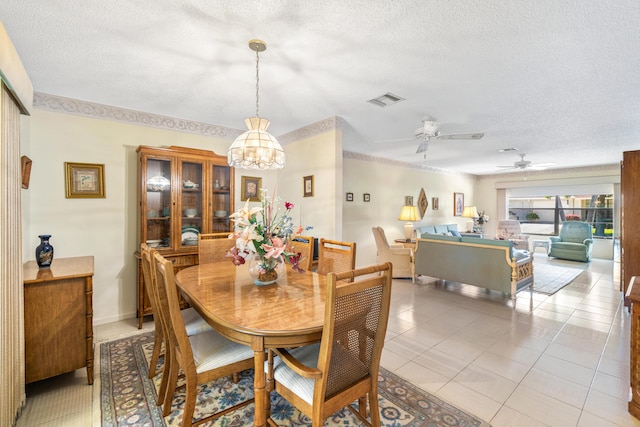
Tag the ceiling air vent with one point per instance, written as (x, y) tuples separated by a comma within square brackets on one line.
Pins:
[(506, 150), (386, 100)]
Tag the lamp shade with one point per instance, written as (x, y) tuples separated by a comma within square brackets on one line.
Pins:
[(409, 213), (470, 212), (256, 148)]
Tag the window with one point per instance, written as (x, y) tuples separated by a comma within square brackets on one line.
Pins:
[(545, 215)]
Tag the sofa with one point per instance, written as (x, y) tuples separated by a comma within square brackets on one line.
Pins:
[(443, 230), (486, 263), (574, 242)]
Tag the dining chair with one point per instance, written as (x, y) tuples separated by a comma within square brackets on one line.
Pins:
[(335, 256), (194, 323), (202, 357), (322, 378), (212, 247), (303, 245)]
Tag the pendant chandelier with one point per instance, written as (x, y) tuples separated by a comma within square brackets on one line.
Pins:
[(256, 148)]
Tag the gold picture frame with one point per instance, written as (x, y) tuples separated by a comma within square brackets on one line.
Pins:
[(84, 180), (307, 186), (250, 188)]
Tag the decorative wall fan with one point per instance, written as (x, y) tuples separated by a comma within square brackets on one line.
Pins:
[(429, 130), (526, 164)]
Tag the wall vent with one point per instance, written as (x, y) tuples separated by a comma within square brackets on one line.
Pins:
[(386, 100), (507, 150)]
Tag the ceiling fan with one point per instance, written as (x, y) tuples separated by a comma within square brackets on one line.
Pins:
[(526, 164), (430, 129)]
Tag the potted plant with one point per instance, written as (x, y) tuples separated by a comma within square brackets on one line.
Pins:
[(532, 216)]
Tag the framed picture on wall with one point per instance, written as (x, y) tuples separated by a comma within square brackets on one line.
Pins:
[(458, 204), (434, 203), (408, 200), (366, 197), (349, 197), (307, 186), (84, 180), (250, 188), (422, 203)]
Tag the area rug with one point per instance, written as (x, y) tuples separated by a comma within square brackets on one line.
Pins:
[(128, 397), (549, 279)]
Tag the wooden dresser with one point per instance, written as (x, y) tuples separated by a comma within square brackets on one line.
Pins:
[(58, 318)]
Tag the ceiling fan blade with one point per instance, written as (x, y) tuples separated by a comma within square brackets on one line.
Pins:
[(477, 135), (394, 140), (422, 147)]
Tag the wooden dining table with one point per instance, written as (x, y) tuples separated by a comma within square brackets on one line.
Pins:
[(287, 313)]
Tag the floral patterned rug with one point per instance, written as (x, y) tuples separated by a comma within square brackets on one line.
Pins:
[(128, 397)]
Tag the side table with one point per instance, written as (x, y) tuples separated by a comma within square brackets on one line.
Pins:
[(58, 318), (540, 244), (411, 244)]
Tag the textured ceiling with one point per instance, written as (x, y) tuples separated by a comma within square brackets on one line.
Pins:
[(559, 80)]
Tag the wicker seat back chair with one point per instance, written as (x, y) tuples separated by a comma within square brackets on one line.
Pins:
[(212, 247), (202, 357), (320, 379), (335, 256)]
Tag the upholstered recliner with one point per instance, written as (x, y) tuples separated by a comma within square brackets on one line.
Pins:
[(509, 229), (574, 242), (400, 257)]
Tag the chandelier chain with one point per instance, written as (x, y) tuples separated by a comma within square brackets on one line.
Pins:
[(257, 82)]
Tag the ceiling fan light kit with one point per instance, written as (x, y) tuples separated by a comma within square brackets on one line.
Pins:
[(526, 164)]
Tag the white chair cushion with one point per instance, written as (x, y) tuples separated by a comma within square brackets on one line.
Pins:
[(282, 374), (211, 350), (193, 322)]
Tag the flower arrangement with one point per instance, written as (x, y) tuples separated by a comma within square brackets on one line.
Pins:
[(263, 232), (482, 218)]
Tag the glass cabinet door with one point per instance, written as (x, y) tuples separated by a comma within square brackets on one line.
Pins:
[(221, 199), (157, 203), (192, 204)]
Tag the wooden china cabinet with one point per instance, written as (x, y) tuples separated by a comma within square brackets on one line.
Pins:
[(182, 192)]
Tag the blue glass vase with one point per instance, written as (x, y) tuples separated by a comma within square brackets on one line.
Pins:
[(44, 252)]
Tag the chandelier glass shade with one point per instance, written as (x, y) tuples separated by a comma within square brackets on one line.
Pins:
[(256, 148)]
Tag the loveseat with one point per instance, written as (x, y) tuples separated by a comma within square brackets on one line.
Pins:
[(487, 263)]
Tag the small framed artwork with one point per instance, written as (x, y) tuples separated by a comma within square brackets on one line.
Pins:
[(84, 180), (366, 197), (458, 204), (434, 203), (250, 188), (349, 197), (408, 200), (307, 186), (423, 204)]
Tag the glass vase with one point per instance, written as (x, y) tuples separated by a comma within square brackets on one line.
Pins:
[(265, 271)]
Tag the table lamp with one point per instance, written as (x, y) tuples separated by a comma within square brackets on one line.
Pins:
[(470, 212), (409, 214)]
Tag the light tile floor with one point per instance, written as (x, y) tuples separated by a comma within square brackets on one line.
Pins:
[(560, 360)]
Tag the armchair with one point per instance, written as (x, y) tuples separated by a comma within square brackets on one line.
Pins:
[(511, 230), (574, 242), (400, 257)]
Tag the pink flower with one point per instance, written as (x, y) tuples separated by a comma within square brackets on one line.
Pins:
[(275, 250), (295, 262), (288, 205), (237, 259)]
